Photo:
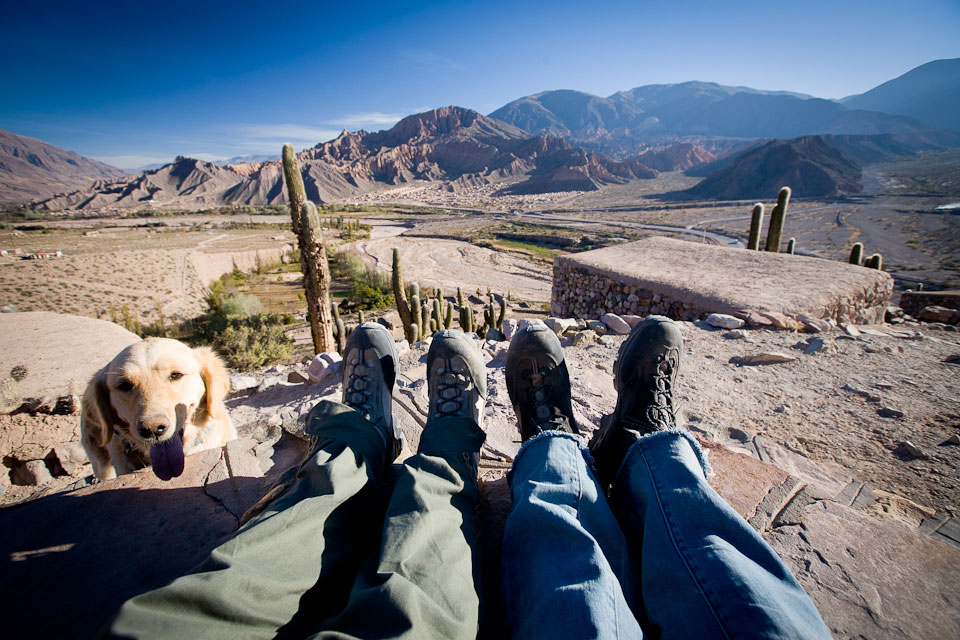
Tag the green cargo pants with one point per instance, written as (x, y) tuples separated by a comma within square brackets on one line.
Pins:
[(323, 560)]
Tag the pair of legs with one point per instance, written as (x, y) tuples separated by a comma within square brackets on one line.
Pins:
[(327, 559), (626, 538), (664, 555)]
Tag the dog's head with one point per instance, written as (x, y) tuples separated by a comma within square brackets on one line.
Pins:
[(148, 393)]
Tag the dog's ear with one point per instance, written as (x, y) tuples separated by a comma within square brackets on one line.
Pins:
[(216, 379), (97, 414)]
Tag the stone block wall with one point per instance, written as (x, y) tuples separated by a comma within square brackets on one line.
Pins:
[(587, 291), (581, 292)]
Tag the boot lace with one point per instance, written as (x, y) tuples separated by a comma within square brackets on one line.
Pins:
[(545, 415)]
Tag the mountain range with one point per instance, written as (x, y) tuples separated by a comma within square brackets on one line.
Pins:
[(458, 146), (809, 164), (713, 116), (929, 93), (30, 168), (551, 141)]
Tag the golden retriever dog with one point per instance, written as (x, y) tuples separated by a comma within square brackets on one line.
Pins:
[(156, 402)]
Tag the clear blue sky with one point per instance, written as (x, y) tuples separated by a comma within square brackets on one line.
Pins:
[(134, 83)]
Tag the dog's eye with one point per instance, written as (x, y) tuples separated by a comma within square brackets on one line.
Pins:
[(176, 375), (125, 385)]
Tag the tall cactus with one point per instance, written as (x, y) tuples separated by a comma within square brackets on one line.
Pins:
[(296, 194), (756, 222), (856, 253), (791, 245), (775, 232), (416, 312), (316, 279), (400, 294)]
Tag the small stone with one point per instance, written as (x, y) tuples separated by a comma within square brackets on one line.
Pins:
[(385, 322), (561, 326), (784, 409), (32, 473), (67, 459), (275, 420), (296, 377), (767, 357), (402, 347), (816, 345), (266, 383), (913, 450), (509, 328), (324, 366), (331, 356), (584, 337), (494, 335), (869, 395), (890, 412), (597, 327), (954, 439), (754, 319), (632, 320), (780, 320), (736, 334), (616, 324), (724, 321), (811, 324), (242, 383), (850, 330)]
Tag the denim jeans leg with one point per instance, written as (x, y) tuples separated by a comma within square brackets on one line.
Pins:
[(563, 552), (293, 564), (705, 573)]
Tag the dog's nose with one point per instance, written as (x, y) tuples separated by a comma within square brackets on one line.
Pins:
[(152, 427)]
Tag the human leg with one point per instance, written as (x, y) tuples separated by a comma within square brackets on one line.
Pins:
[(704, 572), (294, 563), (424, 580), (563, 553)]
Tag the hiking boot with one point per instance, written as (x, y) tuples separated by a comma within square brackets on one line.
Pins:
[(538, 382), (643, 376), (369, 373), (456, 377)]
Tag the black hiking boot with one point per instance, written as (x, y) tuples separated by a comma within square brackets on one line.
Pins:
[(456, 378), (538, 382), (369, 373), (644, 376)]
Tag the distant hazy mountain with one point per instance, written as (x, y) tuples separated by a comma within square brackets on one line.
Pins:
[(627, 122), (32, 169), (457, 146), (253, 157), (929, 93), (808, 165)]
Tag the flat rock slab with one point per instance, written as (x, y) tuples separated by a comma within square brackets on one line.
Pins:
[(871, 578), (59, 350), (714, 279)]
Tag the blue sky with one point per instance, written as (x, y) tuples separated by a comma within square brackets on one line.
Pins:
[(135, 83)]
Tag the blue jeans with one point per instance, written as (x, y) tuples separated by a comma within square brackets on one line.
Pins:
[(666, 555)]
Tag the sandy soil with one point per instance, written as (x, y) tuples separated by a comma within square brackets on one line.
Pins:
[(449, 264), (139, 268)]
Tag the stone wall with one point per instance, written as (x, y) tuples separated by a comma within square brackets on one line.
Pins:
[(913, 301), (581, 292), (687, 281)]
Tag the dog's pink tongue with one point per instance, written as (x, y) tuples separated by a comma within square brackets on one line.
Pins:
[(167, 458)]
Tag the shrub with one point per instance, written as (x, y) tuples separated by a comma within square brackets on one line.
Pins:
[(253, 341)]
